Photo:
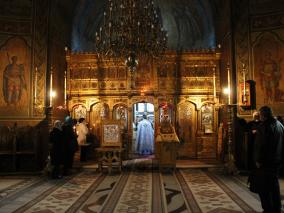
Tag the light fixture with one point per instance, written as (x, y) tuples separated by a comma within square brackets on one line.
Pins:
[(131, 29), (226, 91), (52, 95)]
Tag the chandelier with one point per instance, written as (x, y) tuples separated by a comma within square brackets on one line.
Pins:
[(131, 29)]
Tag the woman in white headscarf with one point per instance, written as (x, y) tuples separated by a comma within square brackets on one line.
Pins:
[(82, 131)]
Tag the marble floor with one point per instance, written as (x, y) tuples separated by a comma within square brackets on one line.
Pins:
[(195, 186)]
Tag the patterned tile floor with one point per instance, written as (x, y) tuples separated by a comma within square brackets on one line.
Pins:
[(194, 187)]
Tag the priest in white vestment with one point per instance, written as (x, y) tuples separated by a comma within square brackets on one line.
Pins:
[(145, 137)]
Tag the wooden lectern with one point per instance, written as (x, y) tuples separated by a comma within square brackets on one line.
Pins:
[(111, 146), (166, 146)]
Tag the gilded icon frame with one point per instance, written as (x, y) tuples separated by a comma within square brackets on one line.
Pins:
[(111, 133)]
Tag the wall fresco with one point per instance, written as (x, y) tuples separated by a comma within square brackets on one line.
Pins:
[(269, 69), (15, 75)]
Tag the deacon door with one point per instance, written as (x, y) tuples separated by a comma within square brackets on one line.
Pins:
[(186, 128), (99, 112)]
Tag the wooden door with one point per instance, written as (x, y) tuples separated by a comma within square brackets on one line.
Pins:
[(99, 112), (186, 129)]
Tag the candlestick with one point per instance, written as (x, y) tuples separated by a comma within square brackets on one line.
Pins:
[(50, 89), (65, 88), (35, 92), (229, 84), (214, 83), (104, 19), (244, 80)]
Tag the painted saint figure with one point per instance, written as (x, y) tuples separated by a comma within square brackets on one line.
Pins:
[(145, 137), (270, 76), (13, 81)]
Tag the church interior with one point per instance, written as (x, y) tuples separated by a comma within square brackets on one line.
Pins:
[(194, 71)]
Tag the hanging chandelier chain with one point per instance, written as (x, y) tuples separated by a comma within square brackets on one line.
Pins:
[(131, 28)]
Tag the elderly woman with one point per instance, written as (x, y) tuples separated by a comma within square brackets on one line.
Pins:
[(56, 150), (70, 144)]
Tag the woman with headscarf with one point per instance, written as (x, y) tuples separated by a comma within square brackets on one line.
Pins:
[(82, 132), (70, 144), (56, 151)]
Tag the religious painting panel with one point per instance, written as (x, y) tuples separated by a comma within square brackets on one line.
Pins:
[(15, 69), (162, 70), (186, 126), (207, 118), (111, 133), (98, 113), (120, 114), (79, 111), (269, 70), (144, 74), (112, 73), (166, 112), (121, 73)]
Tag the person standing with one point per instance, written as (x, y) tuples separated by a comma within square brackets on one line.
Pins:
[(82, 131), (252, 127), (280, 119), (56, 150), (268, 159), (145, 137), (70, 145)]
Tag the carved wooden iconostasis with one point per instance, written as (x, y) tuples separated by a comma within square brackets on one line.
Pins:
[(179, 85)]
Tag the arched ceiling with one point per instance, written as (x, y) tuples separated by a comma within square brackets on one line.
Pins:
[(189, 23)]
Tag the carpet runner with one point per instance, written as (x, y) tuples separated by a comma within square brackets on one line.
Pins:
[(185, 190)]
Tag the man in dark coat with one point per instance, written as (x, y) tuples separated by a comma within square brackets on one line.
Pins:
[(268, 159)]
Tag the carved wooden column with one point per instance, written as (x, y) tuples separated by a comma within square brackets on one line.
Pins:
[(230, 167)]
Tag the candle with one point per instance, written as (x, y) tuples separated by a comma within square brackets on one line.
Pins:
[(229, 85), (244, 78), (65, 88), (214, 83), (109, 29), (104, 19), (50, 89), (35, 94)]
